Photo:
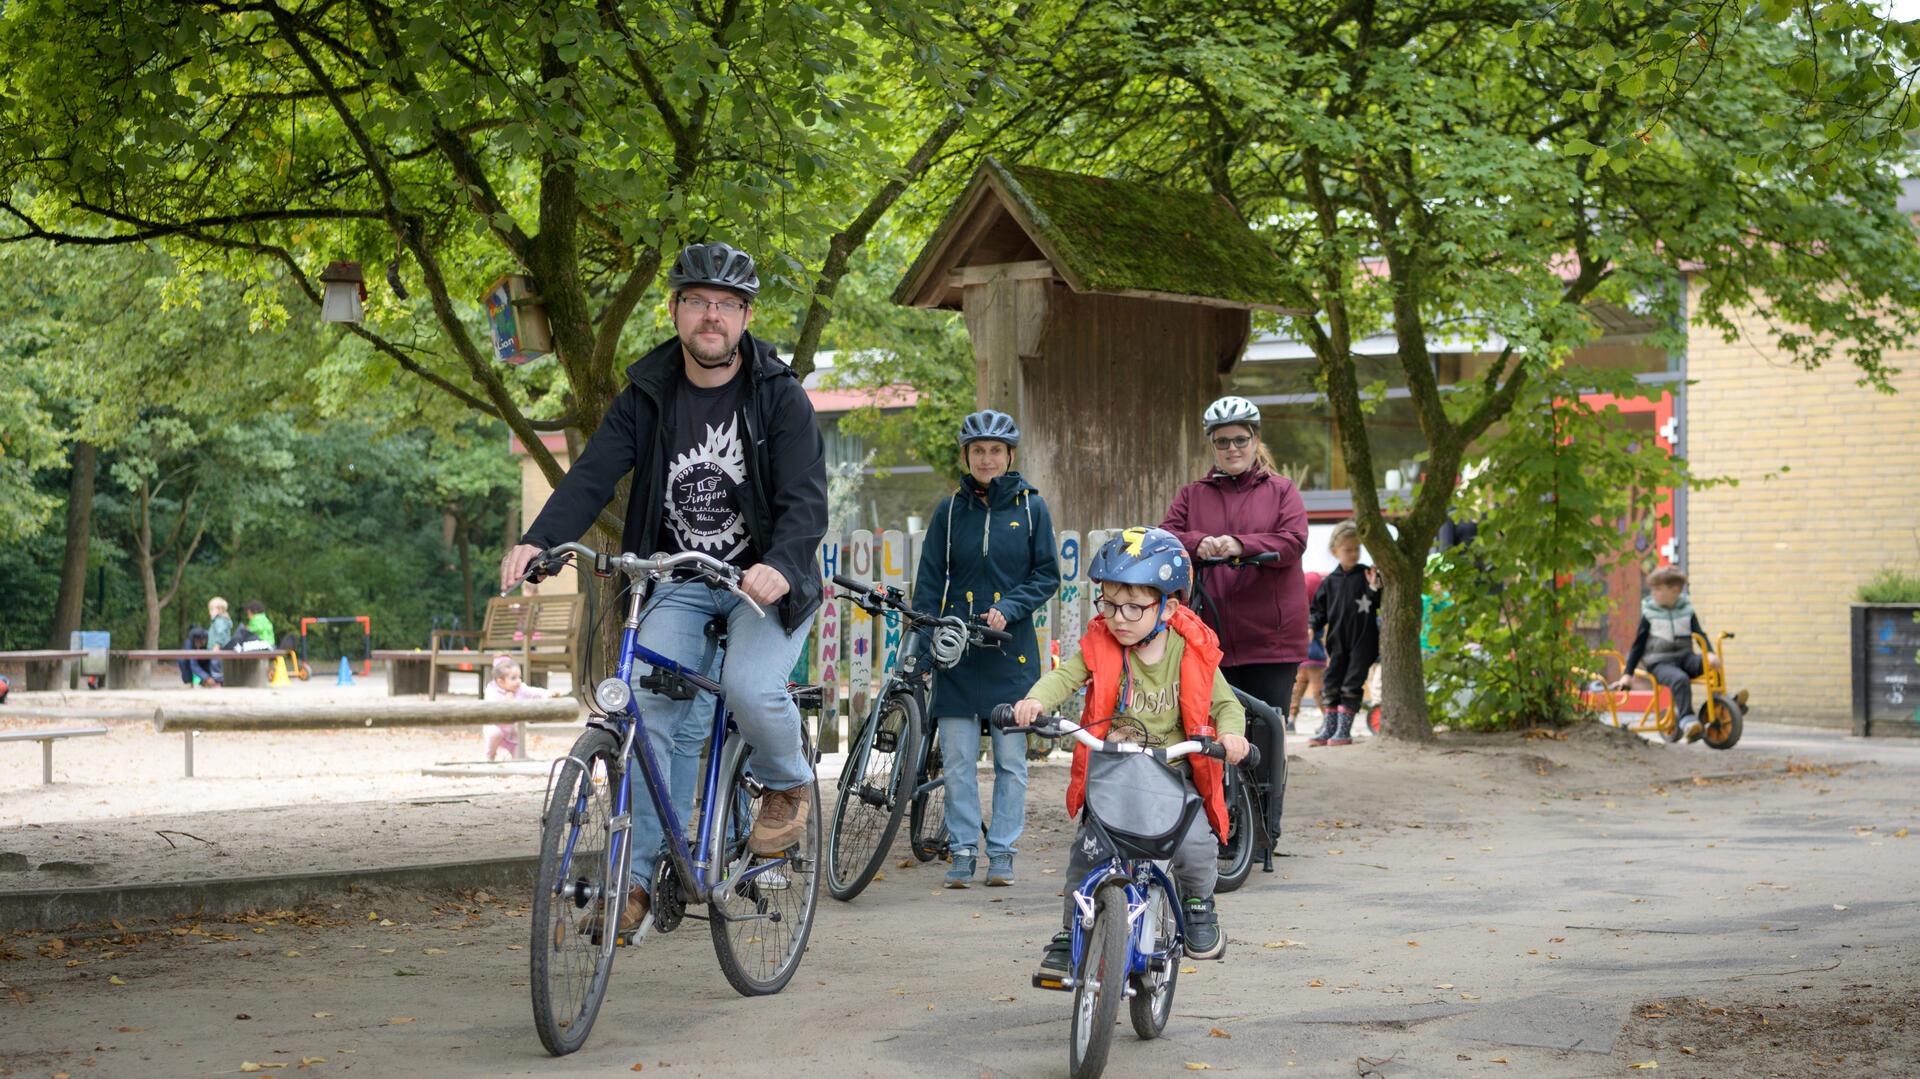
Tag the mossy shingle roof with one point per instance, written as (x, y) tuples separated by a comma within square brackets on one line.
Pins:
[(1118, 236)]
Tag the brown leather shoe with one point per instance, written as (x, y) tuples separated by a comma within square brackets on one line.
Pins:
[(631, 917), (782, 820)]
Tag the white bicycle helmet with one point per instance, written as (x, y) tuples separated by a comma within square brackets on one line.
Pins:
[(1229, 410)]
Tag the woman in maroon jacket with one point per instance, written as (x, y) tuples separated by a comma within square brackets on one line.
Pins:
[(1244, 506)]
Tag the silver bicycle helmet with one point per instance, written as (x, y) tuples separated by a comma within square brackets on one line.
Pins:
[(1230, 410), (715, 265), (988, 424)]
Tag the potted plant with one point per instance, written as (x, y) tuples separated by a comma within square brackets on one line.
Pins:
[(1886, 654)]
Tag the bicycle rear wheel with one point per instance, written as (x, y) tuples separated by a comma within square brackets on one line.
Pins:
[(927, 817), (867, 813), (760, 920), (1099, 984), (581, 888), (1243, 834), (1152, 999)]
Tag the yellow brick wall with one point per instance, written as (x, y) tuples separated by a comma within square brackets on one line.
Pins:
[(1776, 559)]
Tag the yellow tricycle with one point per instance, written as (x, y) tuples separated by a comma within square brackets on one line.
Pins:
[(1722, 713)]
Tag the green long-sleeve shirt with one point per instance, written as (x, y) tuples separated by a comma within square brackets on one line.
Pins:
[(1155, 697)]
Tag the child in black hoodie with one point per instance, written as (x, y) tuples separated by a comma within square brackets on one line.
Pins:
[(1346, 606)]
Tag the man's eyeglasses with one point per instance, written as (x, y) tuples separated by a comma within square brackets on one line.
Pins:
[(698, 306), (1237, 442), (1130, 611)]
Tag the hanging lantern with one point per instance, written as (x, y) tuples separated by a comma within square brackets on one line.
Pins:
[(346, 291), (517, 320)]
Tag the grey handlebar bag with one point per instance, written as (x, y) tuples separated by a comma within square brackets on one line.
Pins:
[(1143, 805)]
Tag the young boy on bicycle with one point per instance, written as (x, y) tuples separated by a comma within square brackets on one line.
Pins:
[(1154, 672), (1665, 641)]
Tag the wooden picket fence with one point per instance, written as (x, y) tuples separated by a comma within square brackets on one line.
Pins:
[(849, 654)]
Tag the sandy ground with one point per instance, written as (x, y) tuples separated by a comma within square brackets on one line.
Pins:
[(1486, 906)]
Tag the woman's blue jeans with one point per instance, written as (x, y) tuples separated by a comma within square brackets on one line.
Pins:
[(959, 756)]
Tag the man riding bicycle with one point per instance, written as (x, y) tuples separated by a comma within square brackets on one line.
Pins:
[(726, 460)]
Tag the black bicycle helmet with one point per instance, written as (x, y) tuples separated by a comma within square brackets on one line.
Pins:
[(988, 424), (717, 265)]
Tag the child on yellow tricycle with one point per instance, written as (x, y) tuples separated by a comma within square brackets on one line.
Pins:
[(1674, 648)]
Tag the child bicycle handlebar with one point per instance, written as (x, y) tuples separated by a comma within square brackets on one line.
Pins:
[(1061, 726)]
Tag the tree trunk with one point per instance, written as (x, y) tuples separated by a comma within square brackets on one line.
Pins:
[(67, 610), (1403, 690)]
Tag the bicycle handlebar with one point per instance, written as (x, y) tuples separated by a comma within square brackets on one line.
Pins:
[(1061, 726), (1260, 559), (605, 564), (868, 595)]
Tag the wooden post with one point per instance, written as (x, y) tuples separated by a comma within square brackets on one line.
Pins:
[(188, 733), (1073, 615), (858, 561), (46, 762), (891, 557), (827, 646)]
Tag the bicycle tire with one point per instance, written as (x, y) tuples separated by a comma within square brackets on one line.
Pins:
[(760, 932), (927, 817), (1099, 984), (567, 967), (1243, 828), (1728, 720), (1152, 1000), (862, 832)]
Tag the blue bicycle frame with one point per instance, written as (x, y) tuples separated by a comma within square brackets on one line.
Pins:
[(1131, 872)]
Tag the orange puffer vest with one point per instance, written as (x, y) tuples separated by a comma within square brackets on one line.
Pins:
[(1198, 665)]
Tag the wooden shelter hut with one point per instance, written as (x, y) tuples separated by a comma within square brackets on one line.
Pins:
[(1103, 315)]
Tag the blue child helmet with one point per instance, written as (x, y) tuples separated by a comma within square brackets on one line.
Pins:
[(988, 424), (1144, 556)]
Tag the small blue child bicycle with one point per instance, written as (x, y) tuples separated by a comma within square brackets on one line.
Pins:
[(759, 909), (1128, 934)]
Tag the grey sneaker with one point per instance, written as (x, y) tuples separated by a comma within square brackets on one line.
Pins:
[(999, 870), (961, 874), (1204, 939), (1691, 728)]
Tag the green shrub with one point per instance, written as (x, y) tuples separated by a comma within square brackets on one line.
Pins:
[(1890, 586)]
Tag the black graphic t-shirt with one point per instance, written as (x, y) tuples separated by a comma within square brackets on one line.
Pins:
[(707, 473)]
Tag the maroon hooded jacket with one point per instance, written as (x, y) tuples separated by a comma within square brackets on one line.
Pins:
[(1260, 612)]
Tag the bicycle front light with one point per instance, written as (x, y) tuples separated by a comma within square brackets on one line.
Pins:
[(613, 695)]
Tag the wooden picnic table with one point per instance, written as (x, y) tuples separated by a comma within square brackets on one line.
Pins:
[(130, 668)]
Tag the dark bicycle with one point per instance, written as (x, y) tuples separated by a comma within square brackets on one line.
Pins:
[(896, 740), (1257, 792), (759, 909)]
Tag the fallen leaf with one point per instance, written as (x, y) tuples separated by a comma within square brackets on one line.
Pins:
[(638, 1068), (1189, 970), (385, 951), (1687, 1049), (1336, 852), (1193, 1067), (116, 980), (373, 916), (1216, 1032), (1284, 943), (1004, 1000), (1646, 1065), (133, 1030), (257, 929), (292, 953), (1444, 985), (879, 876), (1413, 944), (1839, 906), (1468, 996), (250, 1066), (513, 947), (1314, 984), (1901, 834), (399, 1019), (323, 1015), (308, 1062), (1497, 1060), (906, 863), (389, 922), (435, 951)]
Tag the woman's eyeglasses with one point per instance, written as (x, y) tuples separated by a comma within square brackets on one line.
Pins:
[(1237, 442), (1132, 612)]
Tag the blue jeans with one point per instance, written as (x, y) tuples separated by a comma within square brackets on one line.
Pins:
[(959, 754), (673, 623)]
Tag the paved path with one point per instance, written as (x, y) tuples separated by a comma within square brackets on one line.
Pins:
[(1487, 906)]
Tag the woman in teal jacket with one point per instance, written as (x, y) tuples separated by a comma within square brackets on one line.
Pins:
[(988, 553)]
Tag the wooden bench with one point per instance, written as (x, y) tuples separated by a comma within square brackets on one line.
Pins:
[(41, 668), (47, 738), (408, 670), (542, 632), (189, 720), (132, 668)]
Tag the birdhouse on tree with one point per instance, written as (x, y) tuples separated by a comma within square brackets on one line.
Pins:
[(517, 321), (1103, 315), (344, 292)]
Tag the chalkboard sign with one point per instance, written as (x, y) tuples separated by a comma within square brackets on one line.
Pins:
[(1886, 669)]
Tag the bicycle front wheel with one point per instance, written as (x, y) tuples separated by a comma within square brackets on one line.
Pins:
[(580, 890), (760, 913), (1236, 854), (927, 817), (1099, 984), (872, 801)]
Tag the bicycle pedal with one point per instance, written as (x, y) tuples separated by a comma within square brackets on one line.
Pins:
[(1064, 985), (628, 938)]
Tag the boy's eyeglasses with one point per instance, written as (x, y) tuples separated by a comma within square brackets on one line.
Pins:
[(729, 308), (1237, 442), (1132, 612)]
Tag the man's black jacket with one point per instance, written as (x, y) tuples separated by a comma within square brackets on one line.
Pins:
[(786, 470)]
